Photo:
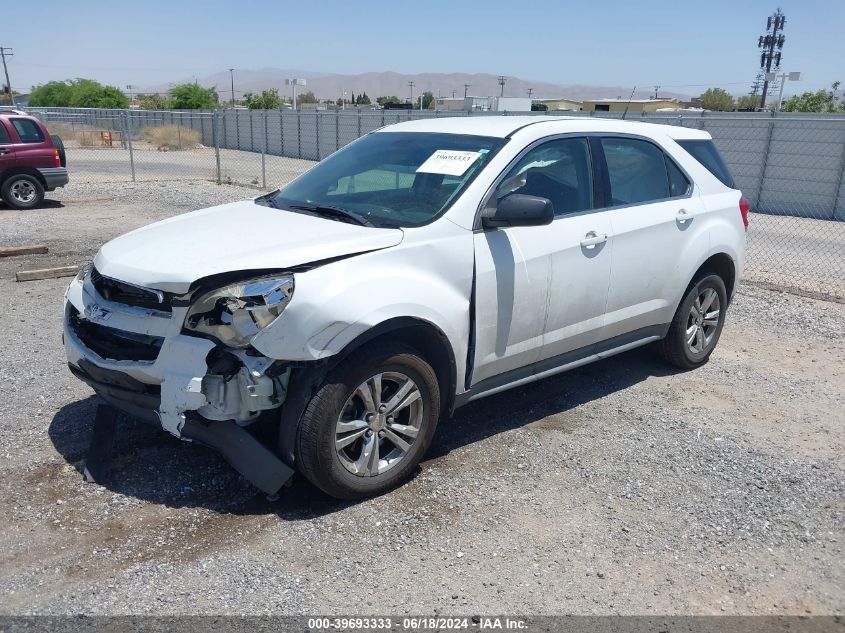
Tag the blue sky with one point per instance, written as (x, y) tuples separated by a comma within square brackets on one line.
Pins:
[(682, 46)]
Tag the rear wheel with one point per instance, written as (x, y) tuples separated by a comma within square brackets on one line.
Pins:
[(371, 422), (697, 325), (22, 191)]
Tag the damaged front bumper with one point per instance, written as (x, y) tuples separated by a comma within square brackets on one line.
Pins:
[(138, 360)]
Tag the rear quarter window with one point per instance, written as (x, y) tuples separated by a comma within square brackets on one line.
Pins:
[(705, 152), (28, 131)]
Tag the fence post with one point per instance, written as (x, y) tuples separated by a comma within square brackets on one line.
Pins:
[(215, 135), (317, 132), (359, 124), (298, 134), (264, 153), (839, 190), (765, 164), (337, 130), (129, 143)]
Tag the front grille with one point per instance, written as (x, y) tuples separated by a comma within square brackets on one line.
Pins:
[(114, 344), (127, 294)]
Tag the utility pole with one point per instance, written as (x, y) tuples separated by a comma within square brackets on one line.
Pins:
[(502, 79), (3, 53), (465, 89), (783, 77), (411, 85), (232, 77), (773, 39), (530, 91), (656, 88)]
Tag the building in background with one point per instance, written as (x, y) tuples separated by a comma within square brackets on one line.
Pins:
[(497, 104), (634, 105), (561, 104), (450, 104)]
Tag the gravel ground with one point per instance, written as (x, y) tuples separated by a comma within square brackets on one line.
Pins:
[(621, 487)]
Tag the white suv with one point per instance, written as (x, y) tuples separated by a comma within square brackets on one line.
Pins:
[(423, 266)]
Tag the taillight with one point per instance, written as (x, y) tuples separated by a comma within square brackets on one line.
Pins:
[(744, 208), (56, 156)]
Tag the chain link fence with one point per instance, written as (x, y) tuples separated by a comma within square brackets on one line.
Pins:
[(790, 167)]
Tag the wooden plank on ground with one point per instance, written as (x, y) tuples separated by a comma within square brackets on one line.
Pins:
[(11, 251), (46, 273)]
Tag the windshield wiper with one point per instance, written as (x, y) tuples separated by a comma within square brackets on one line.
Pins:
[(344, 215), (268, 199)]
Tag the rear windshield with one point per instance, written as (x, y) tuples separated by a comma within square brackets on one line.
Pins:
[(705, 152)]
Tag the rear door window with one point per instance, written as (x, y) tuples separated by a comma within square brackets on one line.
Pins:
[(28, 131), (705, 152), (636, 169), (679, 184), (4, 135)]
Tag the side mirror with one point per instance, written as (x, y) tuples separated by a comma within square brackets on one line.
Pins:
[(518, 210)]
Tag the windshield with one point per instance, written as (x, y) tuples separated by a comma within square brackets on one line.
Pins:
[(391, 179)]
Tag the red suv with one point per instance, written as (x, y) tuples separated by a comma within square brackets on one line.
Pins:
[(31, 161)]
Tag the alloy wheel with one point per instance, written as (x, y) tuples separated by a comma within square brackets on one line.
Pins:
[(378, 424), (22, 191), (703, 321)]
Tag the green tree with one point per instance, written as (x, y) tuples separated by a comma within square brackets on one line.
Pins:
[(819, 101), (717, 99), (365, 100), (391, 99), (748, 103), (307, 97), (87, 93), (267, 100), (192, 97), (428, 100), (54, 94), (78, 93)]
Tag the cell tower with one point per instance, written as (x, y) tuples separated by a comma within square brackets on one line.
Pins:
[(771, 46)]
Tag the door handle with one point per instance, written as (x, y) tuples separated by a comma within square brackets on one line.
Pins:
[(5, 151), (593, 239), (684, 216)]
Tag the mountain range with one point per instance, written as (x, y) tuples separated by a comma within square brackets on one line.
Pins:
[(375, 84)]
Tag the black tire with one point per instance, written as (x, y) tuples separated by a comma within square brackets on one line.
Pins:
[(676, 348), (316, 455), (13, 187)]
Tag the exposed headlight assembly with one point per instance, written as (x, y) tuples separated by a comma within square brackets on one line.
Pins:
[(83, 271), (236, 313)]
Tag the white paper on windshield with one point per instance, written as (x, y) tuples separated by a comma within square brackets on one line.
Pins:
[(448, 161)]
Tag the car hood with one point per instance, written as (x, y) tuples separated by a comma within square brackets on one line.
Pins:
[(241, 236)]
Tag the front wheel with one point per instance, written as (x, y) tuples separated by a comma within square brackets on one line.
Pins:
[(697, 325), (22, 191), (370, 423)]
